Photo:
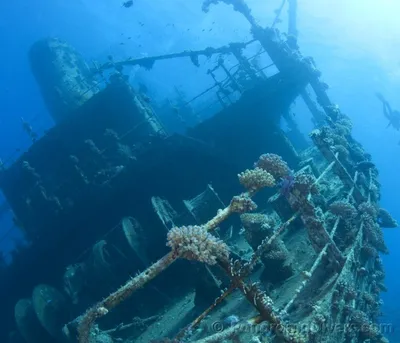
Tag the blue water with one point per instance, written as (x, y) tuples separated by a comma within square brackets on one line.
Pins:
[(354, 43)]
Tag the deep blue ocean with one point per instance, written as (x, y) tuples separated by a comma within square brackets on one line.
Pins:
[(355, 44)]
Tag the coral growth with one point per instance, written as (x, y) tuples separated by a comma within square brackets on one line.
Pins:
[(300, 190), (257, 221), (343, 209), (369, 251), (373, 234), (349, 294), (315, 226), (378, 264), (257, 226), (254, 180), (242, 204), (379, 275), (368, 209), (196, 243), (343, 152), (357, 152), (385, 219), (343, 125), (277, 252), (274, 165), (304, 184), (369, 299), (365, 328)]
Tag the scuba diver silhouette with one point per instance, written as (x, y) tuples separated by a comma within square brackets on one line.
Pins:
[(392, 115)]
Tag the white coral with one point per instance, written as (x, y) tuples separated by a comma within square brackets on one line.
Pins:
[(255, 179), (196, 243)]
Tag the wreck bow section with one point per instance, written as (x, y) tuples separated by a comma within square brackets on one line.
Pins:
[(98, 195)]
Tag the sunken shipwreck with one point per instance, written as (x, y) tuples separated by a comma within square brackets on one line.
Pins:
[(233, 230)]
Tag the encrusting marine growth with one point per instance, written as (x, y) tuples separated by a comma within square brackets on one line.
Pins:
[(191, 242)]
